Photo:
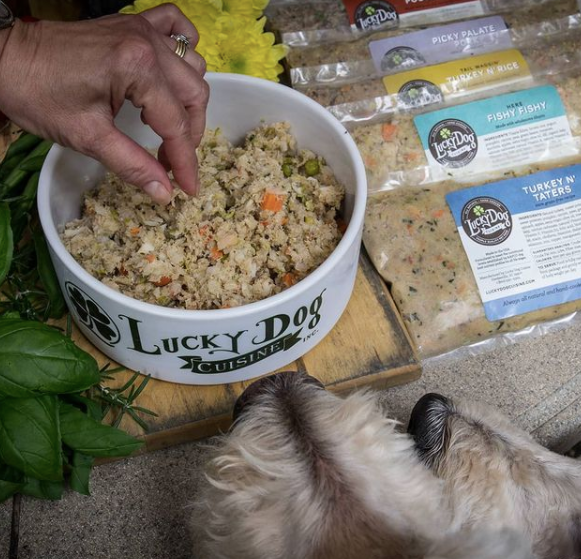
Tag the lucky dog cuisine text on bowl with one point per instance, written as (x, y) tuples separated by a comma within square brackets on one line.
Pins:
[(228, 344)]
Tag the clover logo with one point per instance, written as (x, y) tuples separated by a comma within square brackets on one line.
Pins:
[(445, 133), (370, 10), (478, 211), (92, 315)]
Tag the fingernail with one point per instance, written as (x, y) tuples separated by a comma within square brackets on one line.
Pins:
[(158, 192)]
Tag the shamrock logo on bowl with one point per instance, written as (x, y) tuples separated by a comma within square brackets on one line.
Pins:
[(370, 10), (445, 133), (92, 315)]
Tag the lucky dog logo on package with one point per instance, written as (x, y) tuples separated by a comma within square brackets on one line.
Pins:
[(373, 14), (453, 143), (486, 221)]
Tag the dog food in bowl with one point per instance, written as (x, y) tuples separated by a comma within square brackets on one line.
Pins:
[(265, 218)]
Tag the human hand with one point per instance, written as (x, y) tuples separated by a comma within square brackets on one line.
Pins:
[(67, 81)]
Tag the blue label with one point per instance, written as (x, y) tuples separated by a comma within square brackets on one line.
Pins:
[(522, 238), (524, 194), (499, 113)]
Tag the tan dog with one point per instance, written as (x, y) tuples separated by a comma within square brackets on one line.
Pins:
[(305, 474)]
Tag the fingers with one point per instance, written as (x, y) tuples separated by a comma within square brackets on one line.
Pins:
[(191, 57), (168, 19), (166, 114), (122, 156)]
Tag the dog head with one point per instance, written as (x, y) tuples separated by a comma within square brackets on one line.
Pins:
[(497, 475), (306, 474)]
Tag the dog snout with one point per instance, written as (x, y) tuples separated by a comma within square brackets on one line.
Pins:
[(427, 425), (271, 384)]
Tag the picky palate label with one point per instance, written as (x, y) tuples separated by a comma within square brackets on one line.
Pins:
[(440, 44), (500, 132), (521, 237), (372, 14)]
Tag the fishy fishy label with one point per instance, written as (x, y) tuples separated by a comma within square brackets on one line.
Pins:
[(433, 84), (496, 133), (440, 44), (372, 14), (521, 237)]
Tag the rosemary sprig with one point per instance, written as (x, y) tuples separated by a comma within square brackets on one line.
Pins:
[(122, 399)]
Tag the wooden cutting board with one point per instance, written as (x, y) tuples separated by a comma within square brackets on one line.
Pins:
[(369, 346)]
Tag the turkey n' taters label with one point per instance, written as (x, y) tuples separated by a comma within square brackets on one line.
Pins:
[(372, 14), (521, 237), (500, 132), (432, 84)]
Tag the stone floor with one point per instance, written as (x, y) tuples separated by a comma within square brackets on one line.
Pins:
[(139, 506)]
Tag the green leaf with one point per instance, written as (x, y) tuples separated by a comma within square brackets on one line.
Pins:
[(6, 242), (30, 439), (51, 490), (38, 359), (83, 434), (11, 481), (48, 275), (81, 473)]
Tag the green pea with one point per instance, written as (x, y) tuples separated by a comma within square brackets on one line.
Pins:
[(286, 170), (312, 168)]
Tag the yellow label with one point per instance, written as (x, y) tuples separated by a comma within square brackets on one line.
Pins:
[(458, 76)]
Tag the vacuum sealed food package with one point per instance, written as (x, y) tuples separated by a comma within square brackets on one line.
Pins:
[(493, 133), (491, 59), (392, 51), (303, 23), (466, 265)]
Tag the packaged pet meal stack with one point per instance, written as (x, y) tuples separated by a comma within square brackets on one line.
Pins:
[(324, 32), (479, 236)]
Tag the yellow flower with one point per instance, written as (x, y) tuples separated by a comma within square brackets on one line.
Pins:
[(241, 46), (231, 38)]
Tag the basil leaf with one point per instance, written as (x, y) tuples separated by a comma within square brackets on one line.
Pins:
[(83, 434), (30, 438), (11, 481), (48, 276), (51, 490), (81, 472), (6, 241), (38, 359)]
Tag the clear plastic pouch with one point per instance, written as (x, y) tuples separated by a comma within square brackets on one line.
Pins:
[(414, 242), (346, 58), (395, 153), (349, 62)]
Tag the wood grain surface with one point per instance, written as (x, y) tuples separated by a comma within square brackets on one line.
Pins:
[(369, 346)]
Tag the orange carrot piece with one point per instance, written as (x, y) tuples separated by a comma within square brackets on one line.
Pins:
[(438, 213), (388, 131), (150, 258), (134, 230), (216, 253), (272, 202), (164, 280), (289, 279)]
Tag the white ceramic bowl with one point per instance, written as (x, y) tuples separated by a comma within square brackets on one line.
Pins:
[(215, 346)]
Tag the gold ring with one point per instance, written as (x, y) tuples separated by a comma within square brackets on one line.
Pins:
[(182, 44)]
